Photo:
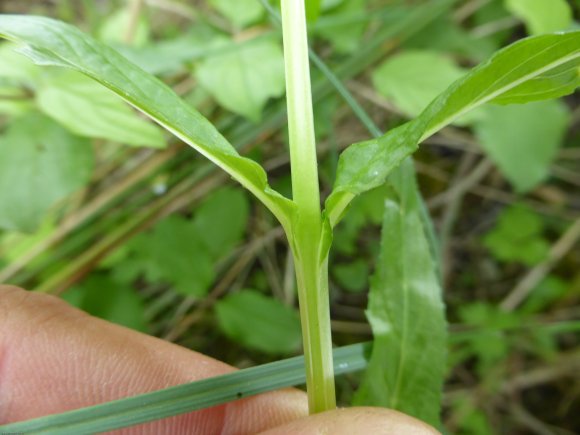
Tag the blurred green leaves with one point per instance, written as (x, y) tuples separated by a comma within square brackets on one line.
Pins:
[(352, 276), (518, 237), (490, 343), (105, 297), (174, 253), (412, 79), (259, 322), (239, 12), (41, 164), (523, 140), (115, 28), (542, 16), (342, 24), (184, 252), (51, 42), (245, 75), (88, 109)]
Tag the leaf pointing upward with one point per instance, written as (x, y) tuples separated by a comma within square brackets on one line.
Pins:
[(50, 42), (536, 68)]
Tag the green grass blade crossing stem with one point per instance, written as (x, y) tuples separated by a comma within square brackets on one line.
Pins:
[(185, 398)]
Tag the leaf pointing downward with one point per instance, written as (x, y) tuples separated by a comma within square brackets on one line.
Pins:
[(532, 69), (406, 313), (51, 42)]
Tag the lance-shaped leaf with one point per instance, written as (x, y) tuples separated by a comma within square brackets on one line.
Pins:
[(406, 313), (531, 69), (51, 42)]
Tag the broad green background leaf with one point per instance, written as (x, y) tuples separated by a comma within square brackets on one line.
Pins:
[(352, 276), (16, 67), (50, 42), (40, 163), (341, 27), (15, 106), (313, 9), (366, 209), (104, 297), (240, 12), (523, 140), (518, 237), (244, 77), (542, 16), (412, 79), (220, 221), (329, 4), (406, 313), (184, 252), (16, 73), (259, 322), (446, 35), (114, 29), (174, 253), (548, 292), (491, 345), (88, 109), (170, 56), (365, 165)]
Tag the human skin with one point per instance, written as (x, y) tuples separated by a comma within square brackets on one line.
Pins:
[(54, 358)]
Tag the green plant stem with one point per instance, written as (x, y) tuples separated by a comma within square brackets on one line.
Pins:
[(305, 188), (312, 283), (306, 230)]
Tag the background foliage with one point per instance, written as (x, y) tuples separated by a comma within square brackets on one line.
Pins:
[(100, 206)]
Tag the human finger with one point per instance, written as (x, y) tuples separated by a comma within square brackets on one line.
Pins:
[(360, 420), (54, 358)]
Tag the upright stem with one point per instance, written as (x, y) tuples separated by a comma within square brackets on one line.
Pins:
[(305, 190), (306, 237)]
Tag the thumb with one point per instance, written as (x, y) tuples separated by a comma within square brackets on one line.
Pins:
[(349, 421)]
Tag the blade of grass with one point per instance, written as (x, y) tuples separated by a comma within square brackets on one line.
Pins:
[(185, 398)]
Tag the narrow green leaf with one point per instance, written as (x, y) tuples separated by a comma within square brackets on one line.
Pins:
[(50, 42), (40, 163), (542, 16), (88, 109), (523, 141), (185, 398), (406, 313), (532, 69), (535, 58), (259, 322)]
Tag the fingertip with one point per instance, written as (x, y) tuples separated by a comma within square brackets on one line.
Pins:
[(258, 413), (360, 420)]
